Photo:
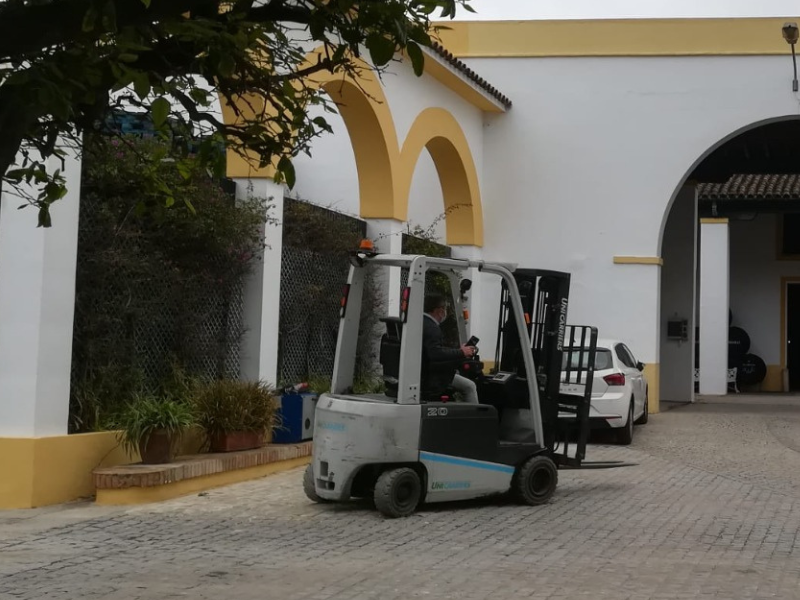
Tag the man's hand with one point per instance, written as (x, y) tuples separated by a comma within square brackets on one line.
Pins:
[(469, 351)]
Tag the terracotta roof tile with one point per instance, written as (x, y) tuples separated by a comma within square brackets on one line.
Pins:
[(450, 58), (753, 187)]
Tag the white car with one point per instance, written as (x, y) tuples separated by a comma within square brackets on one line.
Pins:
[(619, 389)]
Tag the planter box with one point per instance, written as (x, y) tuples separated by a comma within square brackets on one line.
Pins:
[(237, 440)]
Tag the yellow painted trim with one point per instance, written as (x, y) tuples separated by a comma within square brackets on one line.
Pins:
[(51, 470), (616, 37), (238, 166), (638, 260), (710, 221), (384, 172), (652, 371), (458, 85), (143, 495), (438, 130)]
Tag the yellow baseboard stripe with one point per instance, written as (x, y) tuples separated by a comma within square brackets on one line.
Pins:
[(145, 495), (652, 371), (50, 470)]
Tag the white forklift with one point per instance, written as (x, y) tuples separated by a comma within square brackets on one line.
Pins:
[(412, 444)]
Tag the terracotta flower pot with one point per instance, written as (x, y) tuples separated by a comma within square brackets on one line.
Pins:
[(158, 449), (236, 440)]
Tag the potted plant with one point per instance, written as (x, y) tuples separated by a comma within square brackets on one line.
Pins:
[(154, 427), (235, 415)]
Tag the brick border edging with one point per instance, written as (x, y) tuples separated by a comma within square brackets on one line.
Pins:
[(197, 465)]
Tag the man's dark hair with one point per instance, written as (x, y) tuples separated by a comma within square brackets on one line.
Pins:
[(434, 301)]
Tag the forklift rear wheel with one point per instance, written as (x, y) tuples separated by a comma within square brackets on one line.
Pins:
[(308, 485), (397, 492), (536, 481)]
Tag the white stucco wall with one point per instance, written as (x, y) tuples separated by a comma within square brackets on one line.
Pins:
[(585, 164), (756, 284), (329, 176)]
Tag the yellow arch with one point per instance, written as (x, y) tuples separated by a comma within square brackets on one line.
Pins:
[(384, 172), (366, 114), (437, 130)]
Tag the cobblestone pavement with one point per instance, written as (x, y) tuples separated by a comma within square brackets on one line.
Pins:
[(712, 510)]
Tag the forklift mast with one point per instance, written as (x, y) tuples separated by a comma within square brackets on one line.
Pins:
[(564, 356)]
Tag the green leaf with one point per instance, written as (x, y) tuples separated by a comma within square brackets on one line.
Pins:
[(286, 168), (127, 57), (89, 19), (169, 202), (381, 49), (226, 66), (141, 85), (44, 219), (109, 18), (417, 58), (146, 3), (183, 170), (160, 109)]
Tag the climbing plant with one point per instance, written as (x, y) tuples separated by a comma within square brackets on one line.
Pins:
[(159, 284)]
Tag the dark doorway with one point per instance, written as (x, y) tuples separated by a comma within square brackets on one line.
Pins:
[(793, 334)]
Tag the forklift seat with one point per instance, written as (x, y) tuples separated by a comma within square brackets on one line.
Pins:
[(389, 356)]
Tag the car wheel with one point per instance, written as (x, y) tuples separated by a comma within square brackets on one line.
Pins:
[(646, 414), (536, 481), (308, 486), (625, 435), (397, 492)]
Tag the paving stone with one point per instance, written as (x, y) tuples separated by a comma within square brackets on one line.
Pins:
[(696, 518)]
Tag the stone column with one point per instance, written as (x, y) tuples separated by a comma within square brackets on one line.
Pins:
[(714, 305), (388, 237), (37, 307), (262, 295)]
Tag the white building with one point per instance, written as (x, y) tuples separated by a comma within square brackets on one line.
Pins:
[(583, 154)]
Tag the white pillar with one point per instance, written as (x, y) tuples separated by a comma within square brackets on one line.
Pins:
[(388, 237), (714, 302), (262, 295), (37, 308), (474, 303)]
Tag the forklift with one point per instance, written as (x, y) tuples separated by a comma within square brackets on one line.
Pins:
[(413, 444)]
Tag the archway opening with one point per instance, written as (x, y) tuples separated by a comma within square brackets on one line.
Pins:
[(728, 295), (438, 132)]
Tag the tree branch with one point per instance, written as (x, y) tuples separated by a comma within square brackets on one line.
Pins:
[(22, 32)]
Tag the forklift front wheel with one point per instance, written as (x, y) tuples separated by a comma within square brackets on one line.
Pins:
[(397, 492), (308, 485), (536, 481)]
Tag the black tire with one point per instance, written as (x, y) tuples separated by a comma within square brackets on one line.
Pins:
[(646, 415), (625, 435), (536, 481), (308, 486), (397, 492)]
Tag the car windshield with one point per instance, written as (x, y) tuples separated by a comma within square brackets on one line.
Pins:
[(602, 358)]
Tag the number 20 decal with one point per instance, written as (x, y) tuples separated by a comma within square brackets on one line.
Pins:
[(437, 412)]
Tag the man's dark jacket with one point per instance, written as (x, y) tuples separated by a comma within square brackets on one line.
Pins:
[(439, 363)]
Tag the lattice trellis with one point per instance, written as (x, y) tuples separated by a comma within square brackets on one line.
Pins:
[(311, 288), (151, 315)]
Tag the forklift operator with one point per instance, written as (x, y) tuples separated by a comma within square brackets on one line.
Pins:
[(441, 362)]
